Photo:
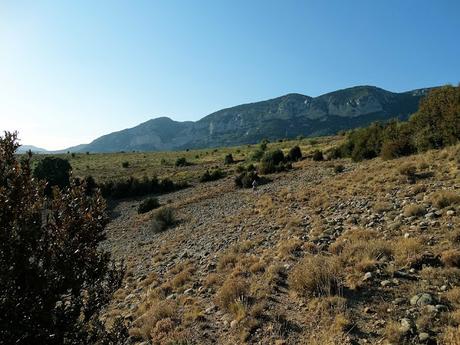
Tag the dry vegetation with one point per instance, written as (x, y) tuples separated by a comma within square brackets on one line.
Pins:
[(369, 255)]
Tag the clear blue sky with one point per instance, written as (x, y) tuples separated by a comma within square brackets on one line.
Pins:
[(73, 70)]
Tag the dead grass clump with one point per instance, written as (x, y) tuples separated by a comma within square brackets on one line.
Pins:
[(289, 247), (406, 249), (183, 277), (156, 310), (451, 336), (212, 280), (330, 321), (453, 296), (445, 198), (258, 267), (317, 276), (382, 206), (233, 289), (393, 333), (414, 210), (227, 260), (451, 258)]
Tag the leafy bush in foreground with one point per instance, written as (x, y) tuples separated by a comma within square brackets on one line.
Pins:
[(54, 278), (55, 171)]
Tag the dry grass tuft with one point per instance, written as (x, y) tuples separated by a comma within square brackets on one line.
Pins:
[(233, 289), (414, 210), (445, 198), (317, 276), (451, 258)]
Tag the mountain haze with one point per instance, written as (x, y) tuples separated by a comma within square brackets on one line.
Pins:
[(283, 117)]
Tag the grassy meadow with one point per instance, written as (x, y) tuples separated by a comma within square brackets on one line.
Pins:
[(113, 167)]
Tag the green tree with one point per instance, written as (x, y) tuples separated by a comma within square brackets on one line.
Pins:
[(54, 278), (55, 171)]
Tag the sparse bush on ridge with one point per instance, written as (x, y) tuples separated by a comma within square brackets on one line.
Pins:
[(273, 161), (181, 162), (54, 277), (317, 156), (163, 219), (214, 175), (148, 205), (294, 154), (229, 159)]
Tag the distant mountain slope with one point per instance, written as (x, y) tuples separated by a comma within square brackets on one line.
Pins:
[(27, 148), (283, 117)]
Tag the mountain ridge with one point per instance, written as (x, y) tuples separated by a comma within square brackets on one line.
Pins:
[(285, 116)]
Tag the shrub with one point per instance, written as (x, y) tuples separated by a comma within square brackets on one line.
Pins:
[(294, 154), (133, 187), (163, 219), (148, 205), (54, 277), (451, 258), (317, 276), (125, 164), (212, 176), (445, 198), (245, 179), (231, 291), (273, 161), (414, 210), (181, 162), (408, 170), (229, 159), (317, 155), (56, 172), (339, 169)]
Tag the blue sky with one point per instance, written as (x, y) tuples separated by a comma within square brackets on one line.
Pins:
[(71, 71)]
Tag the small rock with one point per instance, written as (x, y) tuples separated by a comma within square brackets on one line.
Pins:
[(421, 299), (406, 325), (450, 213), (385, 283), (233, 324), (443, 288), (367, 276), (423, 336)]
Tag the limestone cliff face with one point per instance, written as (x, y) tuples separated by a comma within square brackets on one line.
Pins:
[(283, 117)]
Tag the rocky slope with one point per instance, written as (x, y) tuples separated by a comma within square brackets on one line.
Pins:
[(283, 117), (232, 271)]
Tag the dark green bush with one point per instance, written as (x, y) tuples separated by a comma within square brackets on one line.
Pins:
[(148, 205), (55, 279), (339, 169), (294, 154), (181, 162), (55, 171), (318, 156), (133, 187), (229, 159), (273, 161), (245, 179), (214, 175), (125, 164), (163, 219), (435, 125)]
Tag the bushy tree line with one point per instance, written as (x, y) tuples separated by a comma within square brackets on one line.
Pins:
[(435, 125), (54, 278), (133, 187)]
